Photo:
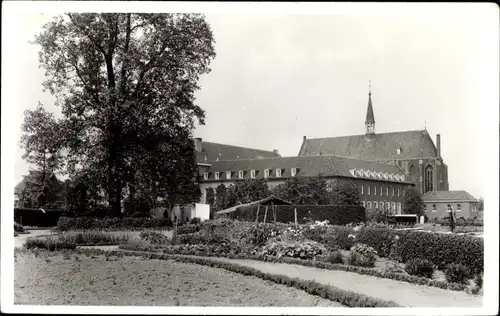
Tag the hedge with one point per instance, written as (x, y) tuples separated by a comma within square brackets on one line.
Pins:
[(335, 214), (36, 217), (69, 223), (346, 298)]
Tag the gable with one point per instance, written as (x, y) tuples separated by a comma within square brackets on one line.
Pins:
[(384, 146)]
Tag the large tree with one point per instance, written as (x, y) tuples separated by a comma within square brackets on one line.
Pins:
[(125, 83), (246, 191), (413, 203)]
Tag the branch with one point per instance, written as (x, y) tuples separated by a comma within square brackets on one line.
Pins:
[(99, 47)]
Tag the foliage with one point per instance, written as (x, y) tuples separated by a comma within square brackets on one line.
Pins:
[(246, 191), (18, 228), (461, 221), (154, 237), (378, 216), (125, 83), (343, 192), (420, 267), (306, 249), (195, 221), (210, 196), (190, 239), (68, 223), (457, 273), (394, 267), (188, 229), (362, 255), (40, 189), (468, 229), (412, 203), (220, 197), (480, 204), (335, 257), (478, 279), (93, 237), (50, 243)]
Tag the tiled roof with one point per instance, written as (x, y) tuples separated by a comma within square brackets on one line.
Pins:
[(307, 166), (413, 145), (214, 151), (448, 196)]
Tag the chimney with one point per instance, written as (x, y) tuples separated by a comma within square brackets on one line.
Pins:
[(198, 144), (275, 151), (438, 145)]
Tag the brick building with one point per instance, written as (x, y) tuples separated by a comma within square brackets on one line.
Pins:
[(438, 204)]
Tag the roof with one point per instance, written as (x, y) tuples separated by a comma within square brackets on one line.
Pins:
[(437, 196), (306, 166), (269, 200), (216, 151), (383, 146)]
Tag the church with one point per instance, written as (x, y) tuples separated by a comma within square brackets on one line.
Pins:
[(382, 165)]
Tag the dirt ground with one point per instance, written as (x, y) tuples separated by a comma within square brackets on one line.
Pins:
[(58, 279)]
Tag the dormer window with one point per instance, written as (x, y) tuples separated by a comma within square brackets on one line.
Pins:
[(352, 172), (360, 172), (294, 172), (228, 174), (385, 176), (278, 173), (205, 176), (217, 176), (266, 173), (398, 150), (240, 174), (252, 174)]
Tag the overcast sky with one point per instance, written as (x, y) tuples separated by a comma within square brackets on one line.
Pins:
[(278, 77)]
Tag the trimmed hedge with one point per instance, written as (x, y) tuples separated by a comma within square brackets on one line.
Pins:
[(36, 217), (346, 298), (69, 223), (335, 214)]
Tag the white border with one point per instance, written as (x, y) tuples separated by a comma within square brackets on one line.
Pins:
[(488, 106)]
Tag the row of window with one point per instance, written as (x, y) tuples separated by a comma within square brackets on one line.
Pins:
[(376, 175), (382, 205), (241, 174), (449, 207), (374, 191)]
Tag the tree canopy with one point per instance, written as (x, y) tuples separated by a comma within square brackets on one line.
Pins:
[(125, 83), (413, 203)]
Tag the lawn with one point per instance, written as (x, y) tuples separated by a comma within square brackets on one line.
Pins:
[(43, 278)]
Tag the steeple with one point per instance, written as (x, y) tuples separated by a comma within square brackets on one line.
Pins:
[(370, 118)]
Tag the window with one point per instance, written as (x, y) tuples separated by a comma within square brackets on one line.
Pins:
[(428, 174), (387, 191), (393, 206), (375, 204), (393, 191), (278, 172), (448, 209), (363, 203), (434, 207), (228, 174), (382, 206), (205, 176), (252, 174), (388, 206), (374, 190), (362, 189), (381, 191), (369, 204), (240, 174), (369, 190), (398, 150), (217, 176), (412, 171), (266, 173), (459, 208), (399, 207), (294, 172), (398, 192)]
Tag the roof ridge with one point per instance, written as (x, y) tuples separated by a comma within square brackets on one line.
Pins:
[(411, 131), (269, 151)]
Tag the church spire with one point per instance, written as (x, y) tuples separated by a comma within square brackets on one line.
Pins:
[(370, 118)]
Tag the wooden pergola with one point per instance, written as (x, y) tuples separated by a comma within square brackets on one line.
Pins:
[(270, 202)]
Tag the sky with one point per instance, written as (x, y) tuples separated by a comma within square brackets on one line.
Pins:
[(280, 76)]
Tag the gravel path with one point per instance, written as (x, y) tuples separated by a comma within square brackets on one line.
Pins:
[(403, 293), (58, 279)]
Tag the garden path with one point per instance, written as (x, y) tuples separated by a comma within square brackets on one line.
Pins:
[(403, 293)]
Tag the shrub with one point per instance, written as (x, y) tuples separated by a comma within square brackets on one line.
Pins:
[(362, 255), (18, 228), (457, 273), (420, 267), (298, 249), (68, 223), (394, 267), (188, 229), (190, 239), (478, 279), (335, 257), (50, 243), (154, 237), (195, 221)]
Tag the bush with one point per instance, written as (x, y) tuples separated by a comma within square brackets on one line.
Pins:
[(478, 279), (195, 221), (362, 255), (49, 243), (188, 229), (154, 237), (335, 257), (18, 228), (93, 237), (298, 249), (191, 239), (68, 223), (420, 267), (394, 267), (457, 273)]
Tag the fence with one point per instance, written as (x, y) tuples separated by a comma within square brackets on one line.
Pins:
[(335, 214)]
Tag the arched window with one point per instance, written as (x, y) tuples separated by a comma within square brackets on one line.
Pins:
[(369, 204), (428, 177), (413, 173)]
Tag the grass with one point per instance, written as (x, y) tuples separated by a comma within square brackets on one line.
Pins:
[(99, 278)]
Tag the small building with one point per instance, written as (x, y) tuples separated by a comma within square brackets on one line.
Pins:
[(184, 213), (438, 204)]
